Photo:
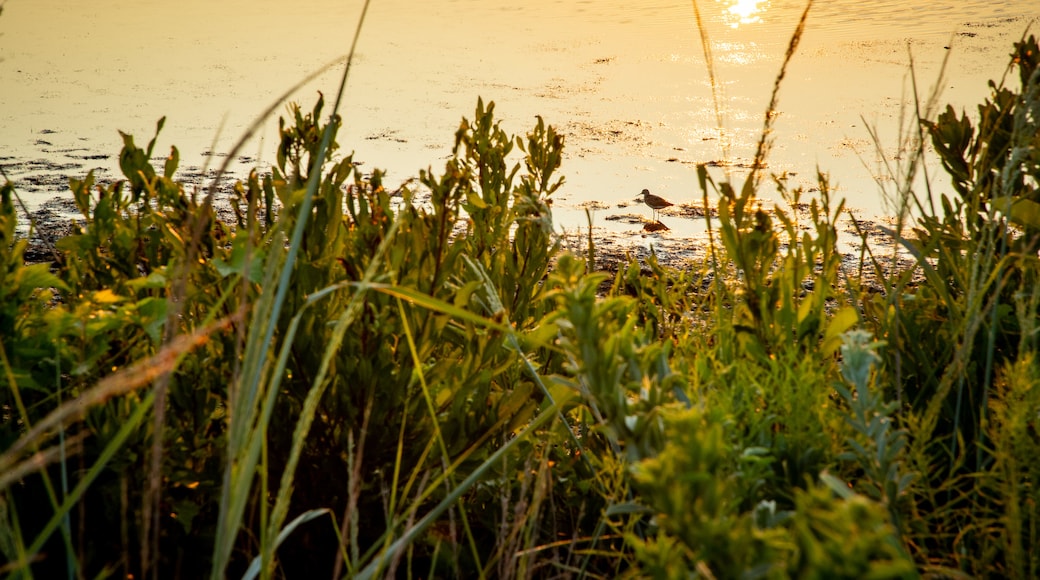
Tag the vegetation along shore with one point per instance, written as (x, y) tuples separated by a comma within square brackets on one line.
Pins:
[(330, 378)]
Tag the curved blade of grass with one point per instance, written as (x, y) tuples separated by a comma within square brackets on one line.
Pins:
[(245, 462), (764, 142), (41, 459), (310, 405), (381, 560), (125, 381), (305, 207), (240, 475), (151, 506), (254, 566), (496, 306), (241, 464), (129, 379), (414, 351), (413, 296), (436, 483), (716, 88), (132, 423)]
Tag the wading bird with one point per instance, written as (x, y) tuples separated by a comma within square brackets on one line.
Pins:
[(655, 202)]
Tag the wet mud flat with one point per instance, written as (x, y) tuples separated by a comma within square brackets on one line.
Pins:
[(43, 185), (56, 218), (862, 242), (43, 180)]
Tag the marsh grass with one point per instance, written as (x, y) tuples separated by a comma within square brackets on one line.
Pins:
[(341, 383)]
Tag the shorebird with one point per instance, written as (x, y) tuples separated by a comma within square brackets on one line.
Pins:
[(655, 202)]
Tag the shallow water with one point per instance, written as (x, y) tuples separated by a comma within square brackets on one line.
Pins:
[(624, 80)]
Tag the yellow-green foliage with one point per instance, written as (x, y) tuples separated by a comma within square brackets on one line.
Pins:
[(356, 381)]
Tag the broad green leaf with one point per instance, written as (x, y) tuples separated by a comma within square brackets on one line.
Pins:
[(171, 163), (805, 309), (474, 199), (843, 320), (38, 276), (152, 317), (236, 262), (620, 509), (515, 399), (837, 486), (154, 280), (1022, 212), (106, 296)]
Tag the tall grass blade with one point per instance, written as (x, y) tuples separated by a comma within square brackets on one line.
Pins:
[(765, 139), (384, 557), (310, 405), (237, 475), (716, 87), (254, 566), (133, 422), (125, 381)]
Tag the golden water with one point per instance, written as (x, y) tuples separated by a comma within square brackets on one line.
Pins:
[(625, 80)]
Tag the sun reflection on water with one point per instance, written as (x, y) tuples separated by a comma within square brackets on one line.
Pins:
[(743, 12)]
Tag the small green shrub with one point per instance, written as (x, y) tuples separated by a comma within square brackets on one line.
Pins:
[(973, 314)]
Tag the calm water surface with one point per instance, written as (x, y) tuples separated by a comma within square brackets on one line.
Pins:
[(624, 80)]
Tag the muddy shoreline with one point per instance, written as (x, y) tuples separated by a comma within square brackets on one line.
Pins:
[(55, 218)]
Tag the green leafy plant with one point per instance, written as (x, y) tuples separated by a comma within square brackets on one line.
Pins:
[(356, 381), (947, 335)]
